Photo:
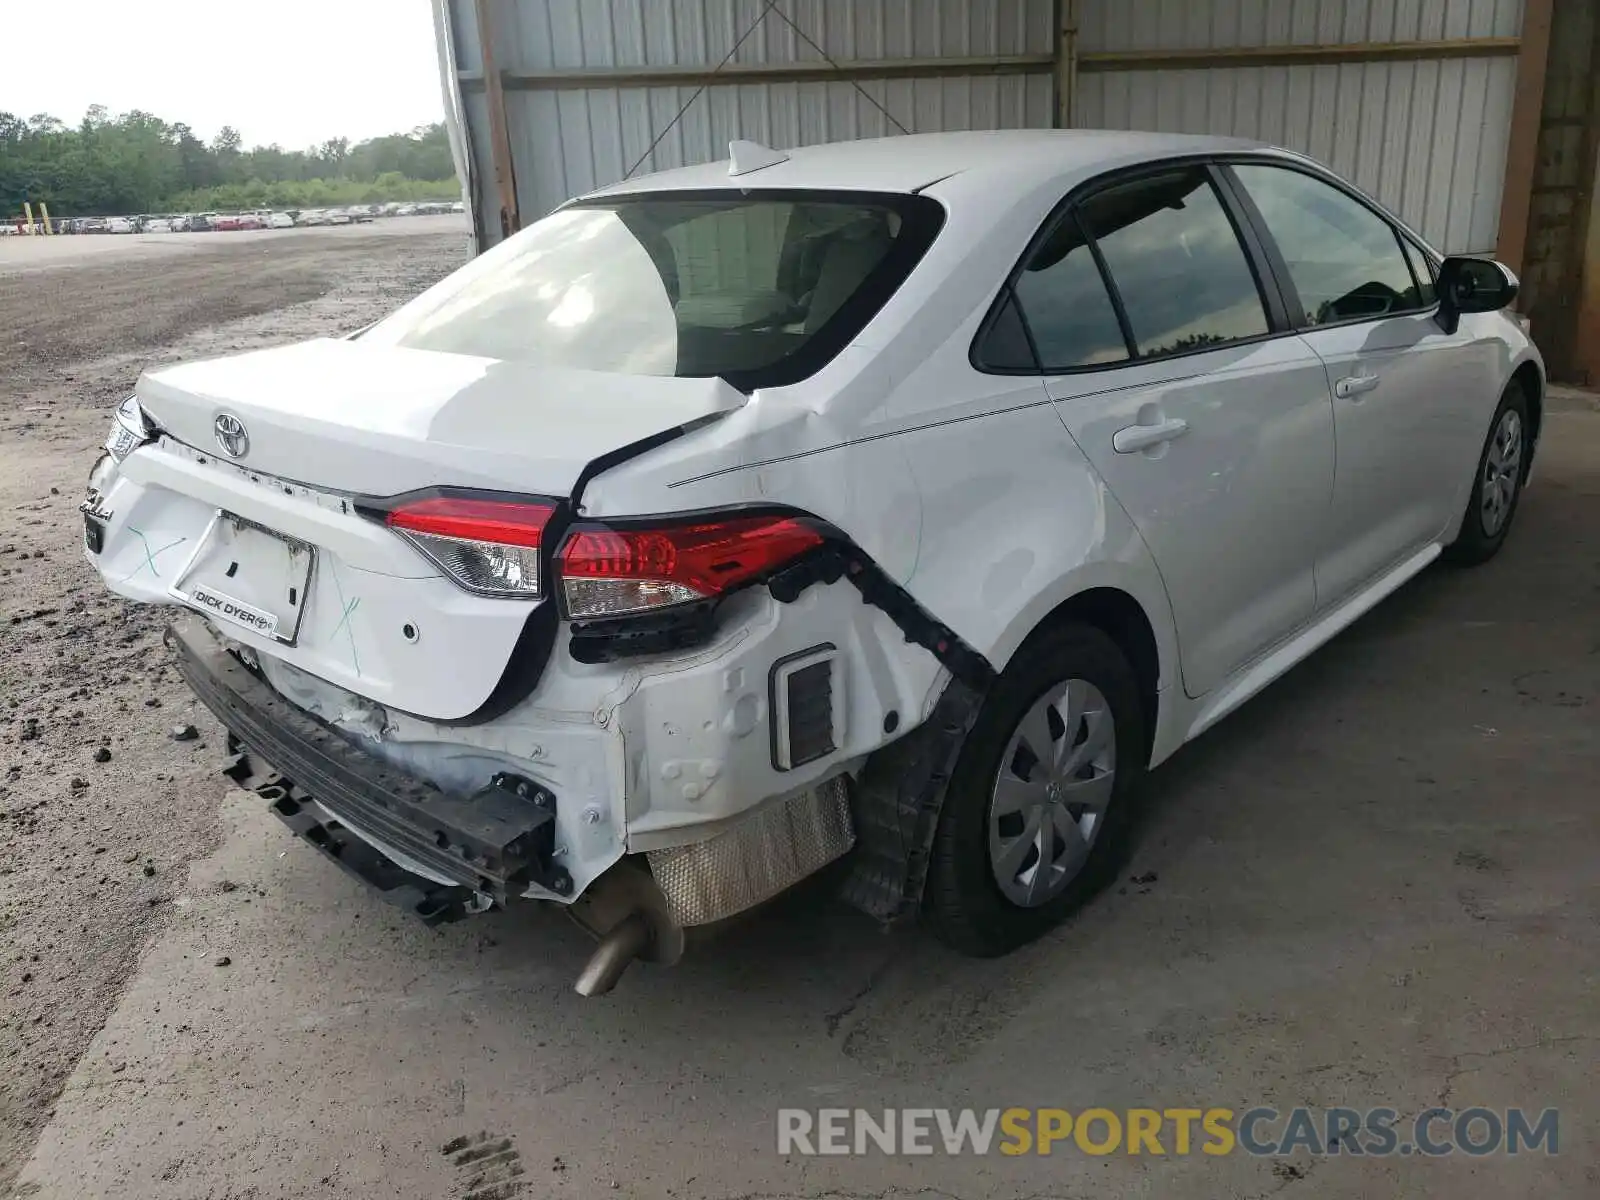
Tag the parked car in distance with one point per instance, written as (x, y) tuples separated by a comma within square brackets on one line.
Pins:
[(458, 207), (406, 210), (925, 526), (280, 220), (336, 216), (312, 216), (156, 225), (118, 225)]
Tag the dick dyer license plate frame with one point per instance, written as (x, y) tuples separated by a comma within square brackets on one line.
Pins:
[(242, 604)]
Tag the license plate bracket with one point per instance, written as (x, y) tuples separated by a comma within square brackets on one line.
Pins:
[(244, 574)]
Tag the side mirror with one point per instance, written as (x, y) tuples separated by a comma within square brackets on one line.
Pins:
[(1473, 285)]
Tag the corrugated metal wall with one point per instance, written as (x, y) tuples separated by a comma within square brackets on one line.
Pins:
[(568, 140), (1426, 134), (1427, 137)]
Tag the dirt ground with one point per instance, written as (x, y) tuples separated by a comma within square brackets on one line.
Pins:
[(1376, 885), (100, 811)]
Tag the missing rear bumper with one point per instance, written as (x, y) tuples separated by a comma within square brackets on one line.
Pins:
[(498, 842), (434, 903)]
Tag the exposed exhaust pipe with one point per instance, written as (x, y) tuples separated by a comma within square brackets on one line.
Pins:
[(611, 957)]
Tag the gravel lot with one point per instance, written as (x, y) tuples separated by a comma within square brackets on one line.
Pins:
[(1374, 886), (94, 849)]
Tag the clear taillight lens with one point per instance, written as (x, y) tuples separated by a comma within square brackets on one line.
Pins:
[(486, 546), (616, 572), (129, 430)]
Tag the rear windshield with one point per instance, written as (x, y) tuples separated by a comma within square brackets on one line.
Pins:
[(760, 288)]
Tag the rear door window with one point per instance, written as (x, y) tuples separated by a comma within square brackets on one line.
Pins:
[(1064, 300), (757, 289), (1176, 263), (1005, 345)]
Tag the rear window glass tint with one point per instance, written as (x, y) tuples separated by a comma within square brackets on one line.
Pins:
[(1176, 262), (1065, 302), (758, 289), (1006, 347)]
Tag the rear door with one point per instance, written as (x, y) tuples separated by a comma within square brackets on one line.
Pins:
[(1404, 424), (1161, 352)]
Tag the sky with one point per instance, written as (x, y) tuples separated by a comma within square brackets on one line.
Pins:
[(294, 72)]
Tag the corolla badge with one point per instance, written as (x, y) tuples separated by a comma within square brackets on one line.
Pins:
[(232, 436)]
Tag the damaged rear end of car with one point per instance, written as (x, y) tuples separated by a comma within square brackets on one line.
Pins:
[(465, 637)]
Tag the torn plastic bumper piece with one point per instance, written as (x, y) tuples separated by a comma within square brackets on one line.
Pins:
[(898, 796), (325, 787)]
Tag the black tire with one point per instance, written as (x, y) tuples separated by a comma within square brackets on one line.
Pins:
[(1475, 544), (963, 901)]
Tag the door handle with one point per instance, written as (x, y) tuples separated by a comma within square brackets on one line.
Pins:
[(1355, 385), (1141, 437)]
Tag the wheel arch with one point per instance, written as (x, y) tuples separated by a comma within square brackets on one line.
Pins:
[(1118, 615), (1531, 379), (1127, 601)]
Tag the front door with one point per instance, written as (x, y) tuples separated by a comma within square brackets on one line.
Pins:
[(1399, 381), (1216, 437)]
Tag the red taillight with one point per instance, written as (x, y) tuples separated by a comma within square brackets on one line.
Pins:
[(613, 572), (505, 522), (487, 546)]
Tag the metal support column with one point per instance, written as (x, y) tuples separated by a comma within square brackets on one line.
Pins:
[(505, 176), (1066, 65), (1586, 333), (1522, 154)]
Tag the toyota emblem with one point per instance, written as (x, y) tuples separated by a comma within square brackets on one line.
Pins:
[(232, 436)]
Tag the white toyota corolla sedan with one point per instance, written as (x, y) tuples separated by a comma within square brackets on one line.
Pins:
[(903, 499)]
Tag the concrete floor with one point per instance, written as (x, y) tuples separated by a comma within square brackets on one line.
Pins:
[(1376, 885)]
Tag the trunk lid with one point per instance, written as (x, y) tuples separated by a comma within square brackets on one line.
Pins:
[(265, 543), (381, 420)]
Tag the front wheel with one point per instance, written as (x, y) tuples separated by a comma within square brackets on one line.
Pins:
[(1497, 485), (1039, 804)]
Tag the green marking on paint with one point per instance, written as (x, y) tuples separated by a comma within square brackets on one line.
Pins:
[(350, 607), (150, 555)]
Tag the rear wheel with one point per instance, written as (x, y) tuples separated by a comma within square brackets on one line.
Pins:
[(1497, 486), (1038, 808)]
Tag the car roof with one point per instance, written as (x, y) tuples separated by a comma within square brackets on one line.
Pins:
[(912, 162)]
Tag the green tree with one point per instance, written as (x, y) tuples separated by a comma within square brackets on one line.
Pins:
[(136, 162)]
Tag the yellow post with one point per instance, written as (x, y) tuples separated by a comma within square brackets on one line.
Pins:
[(44, 215), (27, 216)]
